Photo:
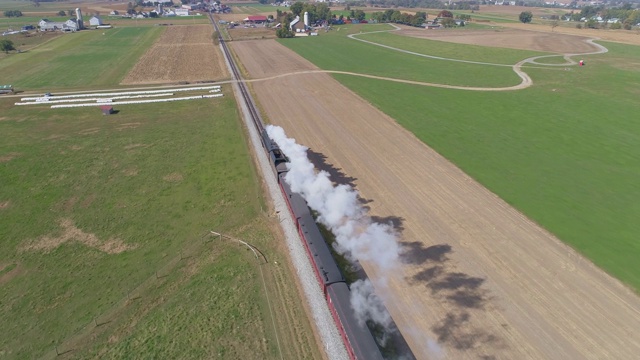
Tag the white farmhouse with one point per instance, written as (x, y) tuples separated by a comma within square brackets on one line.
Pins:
[(95, 21)]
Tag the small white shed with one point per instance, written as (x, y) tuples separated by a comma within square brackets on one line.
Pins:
[(95, 21)]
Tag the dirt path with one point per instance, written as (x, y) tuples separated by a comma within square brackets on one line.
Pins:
[(480, 280)]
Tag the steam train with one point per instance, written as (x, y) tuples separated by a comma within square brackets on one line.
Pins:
[(357, 339)]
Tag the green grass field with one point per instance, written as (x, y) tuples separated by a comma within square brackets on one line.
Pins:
[(79, 60), (92, 207), (364, 58), (17, 22), (101, 220), (566, 151), (24, 6)]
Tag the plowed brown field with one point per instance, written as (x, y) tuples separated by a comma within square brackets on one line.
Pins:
[(479, 280), (182, 53), (507, 38)]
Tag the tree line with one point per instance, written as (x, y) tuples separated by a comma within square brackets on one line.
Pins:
[(13, 13), (397, 17)]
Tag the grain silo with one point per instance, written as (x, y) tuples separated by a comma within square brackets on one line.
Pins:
[(79, 19)]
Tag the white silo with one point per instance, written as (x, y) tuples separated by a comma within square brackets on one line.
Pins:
[(306, 19), (79, 19)]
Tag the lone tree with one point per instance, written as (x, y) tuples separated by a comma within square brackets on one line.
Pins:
[(6, 46), (526, 17), (445, 14)]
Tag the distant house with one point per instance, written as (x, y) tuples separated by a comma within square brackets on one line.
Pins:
[(71, 25), (95, 21), (48, 25), (106, 109)]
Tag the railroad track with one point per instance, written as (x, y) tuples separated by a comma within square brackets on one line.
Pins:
[(235, 73)]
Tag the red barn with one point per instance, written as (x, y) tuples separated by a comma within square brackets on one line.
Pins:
[(106, 109)]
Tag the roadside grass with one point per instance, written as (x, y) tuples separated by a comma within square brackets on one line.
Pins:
[(93, 206), (565, 152), (359, 57), (86, 59)]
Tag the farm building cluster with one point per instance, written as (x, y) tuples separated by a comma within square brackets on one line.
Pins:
[(71, 25), (167, 9)]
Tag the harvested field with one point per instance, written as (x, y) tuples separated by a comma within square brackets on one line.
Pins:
[(251, 33), (621, 36), (507, 38), (182, 53), (479, 280)]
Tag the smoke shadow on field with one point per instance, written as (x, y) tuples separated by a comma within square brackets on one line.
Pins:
[(462, 291), (336, 175), (396, 222), (416, 253), (455, 330)]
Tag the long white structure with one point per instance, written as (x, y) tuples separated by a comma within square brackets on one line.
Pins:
[(126, 93), (137, 101), (48, 101)]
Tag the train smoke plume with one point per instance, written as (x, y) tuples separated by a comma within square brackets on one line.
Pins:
[(358, 238)]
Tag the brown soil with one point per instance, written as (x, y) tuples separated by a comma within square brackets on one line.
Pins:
[(89, 131), (173, 177), (479, 280), (125, 126), (11, 274), (4, 204), (507, 38), (621, 36), (71, 233), (130, 172), (182, 53), (133, 146), (239, 33), (8, 157), (55, 137)]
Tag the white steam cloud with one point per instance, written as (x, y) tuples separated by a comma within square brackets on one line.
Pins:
[(358, 238)]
